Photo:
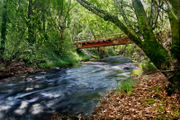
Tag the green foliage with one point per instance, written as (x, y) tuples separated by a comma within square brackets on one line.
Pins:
[(137, 72), (145, 67), (82, 56), (46, 36), (157, 88), (125, 86), (60, 62), (54, 26), (150, 101), (148, 66), (41, 36)]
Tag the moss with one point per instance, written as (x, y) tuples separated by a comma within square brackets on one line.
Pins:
[(175, 108), (148, 66), (157, 88), (159, 118), (137, 72), (157, 54), (176, 115), (161, 109), (150, 101)]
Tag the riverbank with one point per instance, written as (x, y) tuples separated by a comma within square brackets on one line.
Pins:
[(14, 68), (67, 91), (148, 100), (9, 69)]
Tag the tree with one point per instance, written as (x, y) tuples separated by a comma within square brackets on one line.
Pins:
[(4, 28), (146, 38), (31, 38), (174, 18)]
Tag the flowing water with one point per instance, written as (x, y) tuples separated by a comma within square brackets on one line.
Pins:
[(73, 90)]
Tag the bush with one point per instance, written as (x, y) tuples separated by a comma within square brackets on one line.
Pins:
[(125, 86), (148, 67), (137, 72)]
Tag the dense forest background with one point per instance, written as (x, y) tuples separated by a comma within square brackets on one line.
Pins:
[(41, 31), (44, 31)]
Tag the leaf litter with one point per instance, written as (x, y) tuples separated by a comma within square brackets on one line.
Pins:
[(148, 100)]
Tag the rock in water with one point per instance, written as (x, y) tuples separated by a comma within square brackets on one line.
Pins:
[(117, 60)]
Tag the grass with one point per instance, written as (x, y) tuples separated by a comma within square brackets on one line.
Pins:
[(82, 56), (150, 101), (145, 67), (148, 67), (137, 72), (53, 60), (157, 88), (125, 86), (61, 63)]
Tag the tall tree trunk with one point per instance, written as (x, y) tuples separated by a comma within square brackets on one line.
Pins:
[(174, 18), (61, 32), (31, 38), (153, 49), (3, 28), (44, 24)]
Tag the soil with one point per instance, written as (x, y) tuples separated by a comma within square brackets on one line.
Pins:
[(14, 68), (148, 100)]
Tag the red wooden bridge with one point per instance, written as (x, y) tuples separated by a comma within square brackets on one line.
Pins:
[(115, 40)]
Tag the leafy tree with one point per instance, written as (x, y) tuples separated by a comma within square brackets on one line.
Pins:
[(4, 27), (144, 36), (35, 31)]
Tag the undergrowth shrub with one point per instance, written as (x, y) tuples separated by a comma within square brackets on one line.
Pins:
[(148, 66), (125, 86)]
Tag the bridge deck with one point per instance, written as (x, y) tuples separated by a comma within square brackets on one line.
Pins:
[(102, 42)]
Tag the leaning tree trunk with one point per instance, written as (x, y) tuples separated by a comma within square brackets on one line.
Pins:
[(152, 48), (171, 62), (3, 29), (174, 18)]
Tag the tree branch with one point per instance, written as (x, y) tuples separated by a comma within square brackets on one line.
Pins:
[(114, 19)]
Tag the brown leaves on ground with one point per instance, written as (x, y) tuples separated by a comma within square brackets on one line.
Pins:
[(14, 68), (148, 100)]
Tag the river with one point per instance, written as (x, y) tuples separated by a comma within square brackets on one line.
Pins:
[(72, 90)]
